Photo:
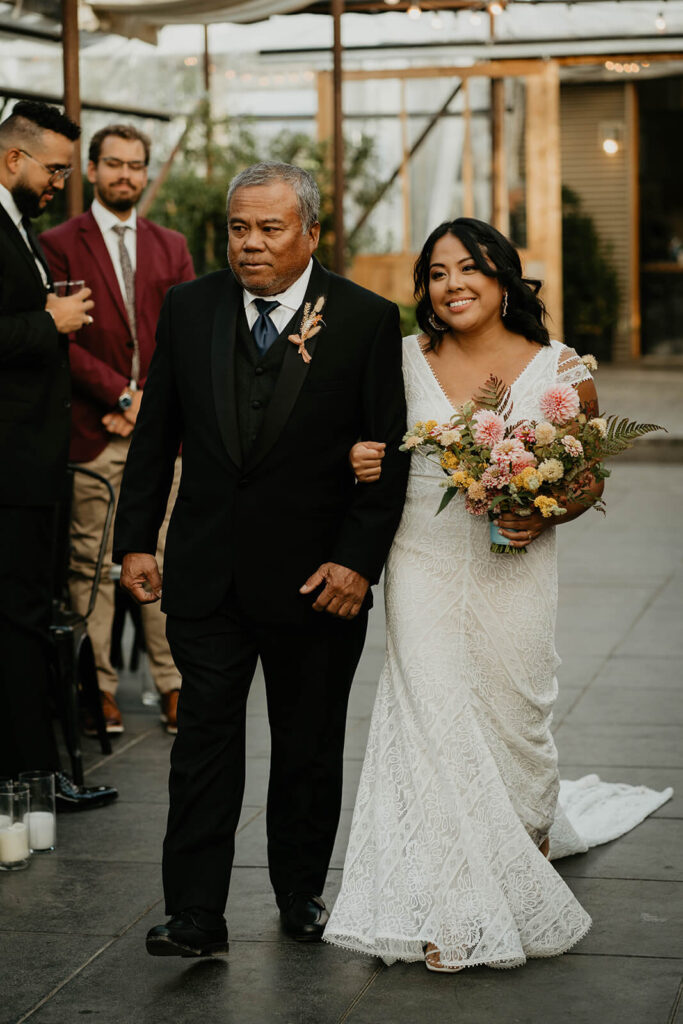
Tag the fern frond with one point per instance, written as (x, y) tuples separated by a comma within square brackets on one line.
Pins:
[(621, 433), (494, 395)]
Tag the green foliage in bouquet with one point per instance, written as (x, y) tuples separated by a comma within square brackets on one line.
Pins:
[(621, 434)]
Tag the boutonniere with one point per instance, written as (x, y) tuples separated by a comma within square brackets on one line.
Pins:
[(311, 323)]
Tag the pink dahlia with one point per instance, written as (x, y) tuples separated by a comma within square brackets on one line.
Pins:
[(495, 478), (489, 427), (525, 433), (507, 450), (560, 404), (521, 461)]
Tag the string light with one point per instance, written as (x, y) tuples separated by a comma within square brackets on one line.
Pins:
[(495, 7), (392, 3), (191, 61), (660, 22), (610, 146), (414, 12)]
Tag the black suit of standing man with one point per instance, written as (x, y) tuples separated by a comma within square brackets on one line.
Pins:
[(36, 148), (271, 547)]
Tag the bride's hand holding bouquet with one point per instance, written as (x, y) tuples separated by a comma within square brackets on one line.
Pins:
[(525, 475)]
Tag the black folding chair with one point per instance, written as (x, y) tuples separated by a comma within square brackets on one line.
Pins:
[(75, 674)]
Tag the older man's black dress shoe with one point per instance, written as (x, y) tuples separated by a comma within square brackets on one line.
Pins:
[(71, 797), (303, 916), (191, 933)]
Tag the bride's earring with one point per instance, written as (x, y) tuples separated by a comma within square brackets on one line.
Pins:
[(504, 306), (433, 322)]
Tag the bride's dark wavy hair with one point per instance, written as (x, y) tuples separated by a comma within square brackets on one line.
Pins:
[(525, 313)]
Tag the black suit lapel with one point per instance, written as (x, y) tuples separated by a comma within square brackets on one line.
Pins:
[(223, 365), (293, 373), (15, 237)]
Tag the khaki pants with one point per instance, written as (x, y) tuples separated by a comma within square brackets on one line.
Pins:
[(87, 521)]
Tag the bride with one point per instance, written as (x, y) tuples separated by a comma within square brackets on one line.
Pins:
[(448, 855)]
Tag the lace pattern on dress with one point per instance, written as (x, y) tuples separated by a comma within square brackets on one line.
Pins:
[(460, 778)]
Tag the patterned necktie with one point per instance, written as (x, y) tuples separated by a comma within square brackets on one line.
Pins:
[(264, 330), (129, 298)]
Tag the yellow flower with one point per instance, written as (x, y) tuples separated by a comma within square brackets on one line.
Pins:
[(476, 491), (462, 479), (527, 479), (449, 460), (429, 425), (546, 505)]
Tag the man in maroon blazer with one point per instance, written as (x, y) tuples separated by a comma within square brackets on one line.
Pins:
[(129, 263)]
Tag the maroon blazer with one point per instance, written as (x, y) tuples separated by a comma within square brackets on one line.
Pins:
[(100, 355)]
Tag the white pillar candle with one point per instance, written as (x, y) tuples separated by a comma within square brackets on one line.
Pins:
[(5, 821), (14, 843), (41, 827)]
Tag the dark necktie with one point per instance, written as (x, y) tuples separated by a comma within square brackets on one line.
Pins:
[(264, 330), (129, 297), (35, 248)]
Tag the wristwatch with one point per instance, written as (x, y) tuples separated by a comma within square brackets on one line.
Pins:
[(125, 401)]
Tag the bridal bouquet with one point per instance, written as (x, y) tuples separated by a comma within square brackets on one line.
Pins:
[(505, 466)]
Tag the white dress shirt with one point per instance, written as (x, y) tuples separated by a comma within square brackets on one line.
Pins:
[(11, 208), (289, 300), (106, 221)]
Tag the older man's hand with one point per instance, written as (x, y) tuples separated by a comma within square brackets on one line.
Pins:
[(343, 593), (140, 577)]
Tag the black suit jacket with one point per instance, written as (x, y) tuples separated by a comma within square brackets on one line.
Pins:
[(35, 388), (265, 523)]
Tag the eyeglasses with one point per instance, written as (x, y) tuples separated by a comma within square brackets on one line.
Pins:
[(114, 164), (56, 174)]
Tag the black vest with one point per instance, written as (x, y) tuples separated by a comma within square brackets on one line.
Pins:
[(256, 376)]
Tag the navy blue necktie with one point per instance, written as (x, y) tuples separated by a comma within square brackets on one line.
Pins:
[(264, 330)]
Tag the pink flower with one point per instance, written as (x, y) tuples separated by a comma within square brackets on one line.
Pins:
[(495, 478), (572, 445), (521, 461), (489, 427), (560, 404), (476, 508), (505, 451), (525, 433)]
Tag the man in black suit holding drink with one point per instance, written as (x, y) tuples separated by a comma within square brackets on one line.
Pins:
[(36, 149), (267, 373)]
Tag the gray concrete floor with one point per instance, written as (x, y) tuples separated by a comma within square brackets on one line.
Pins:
[(72, 925)]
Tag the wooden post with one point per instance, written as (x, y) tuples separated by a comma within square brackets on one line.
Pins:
[(210, 230), (544, 186), (405, 171), (72, 100), (467, 164), (632, 145), (338, 148), (500, 214)]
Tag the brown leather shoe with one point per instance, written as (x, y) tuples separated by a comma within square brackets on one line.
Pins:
[(112, 716), (169, 711)]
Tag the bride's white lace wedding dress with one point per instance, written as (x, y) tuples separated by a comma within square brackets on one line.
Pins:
[(460, 782)]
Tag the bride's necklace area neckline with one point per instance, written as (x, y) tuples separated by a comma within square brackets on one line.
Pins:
[(458, 405)]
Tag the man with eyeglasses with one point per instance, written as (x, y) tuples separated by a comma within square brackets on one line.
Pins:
[(36, 150), (129, 263)]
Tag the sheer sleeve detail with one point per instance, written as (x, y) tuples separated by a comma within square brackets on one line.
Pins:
[(570, 367)]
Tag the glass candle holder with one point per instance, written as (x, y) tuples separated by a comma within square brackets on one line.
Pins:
[(14, 844), (41, 818)]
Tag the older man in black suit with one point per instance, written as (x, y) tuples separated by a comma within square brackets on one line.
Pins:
[(267, 373), (36, 148)]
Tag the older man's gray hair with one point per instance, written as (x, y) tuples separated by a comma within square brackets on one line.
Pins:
[(270, 171)]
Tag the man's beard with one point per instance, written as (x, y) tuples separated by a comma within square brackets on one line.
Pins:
[(122, 204), (27, 200)]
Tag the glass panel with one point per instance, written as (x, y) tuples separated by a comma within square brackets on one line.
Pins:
[(515, 145)]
